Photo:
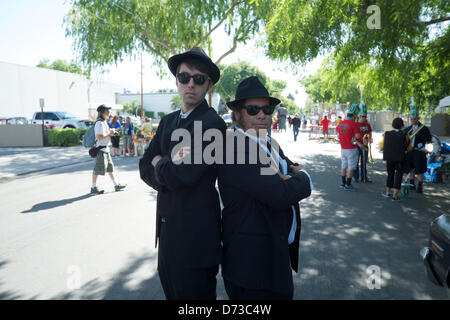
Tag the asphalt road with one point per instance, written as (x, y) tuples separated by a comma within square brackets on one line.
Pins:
[(58, 242)]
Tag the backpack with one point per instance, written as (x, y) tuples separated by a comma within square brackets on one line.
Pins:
[(89, 136)]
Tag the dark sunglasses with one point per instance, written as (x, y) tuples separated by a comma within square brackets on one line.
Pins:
[(185, 77), (254, 110)]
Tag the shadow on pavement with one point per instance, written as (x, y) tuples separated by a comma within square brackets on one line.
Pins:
[(6, 295), (54, 204), (345, 232), (124, 285), (129, 284)]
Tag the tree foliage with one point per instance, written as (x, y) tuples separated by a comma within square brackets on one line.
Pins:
[(106, 31), (62, 65), (233, 74), (408, 55), (175, 102)]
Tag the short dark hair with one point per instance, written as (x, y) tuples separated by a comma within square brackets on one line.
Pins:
[(397, 123)]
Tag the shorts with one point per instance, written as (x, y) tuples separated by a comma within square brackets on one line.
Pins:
[(115, 141), (349, 158), (103, 163), (416, 160)]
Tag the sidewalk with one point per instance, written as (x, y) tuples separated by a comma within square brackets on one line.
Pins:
[(15, 162)]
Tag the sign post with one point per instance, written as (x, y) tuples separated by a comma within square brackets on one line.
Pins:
[(42, 103)]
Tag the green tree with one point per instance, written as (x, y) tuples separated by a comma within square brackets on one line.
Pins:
[(62, 65), (407, 55), (175, 102), (106, 31), (132, 108), (233, 74)]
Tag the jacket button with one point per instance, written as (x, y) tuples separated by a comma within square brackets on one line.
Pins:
[(163, 219)]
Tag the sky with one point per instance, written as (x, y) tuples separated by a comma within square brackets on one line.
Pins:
[(33, 30)]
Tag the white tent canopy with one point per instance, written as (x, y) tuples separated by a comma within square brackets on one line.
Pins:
[(443, 105)]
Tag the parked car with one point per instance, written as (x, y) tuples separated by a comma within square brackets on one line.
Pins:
[(59, 120), (18, 120), (436, 257), (88, 123), (227, 118)]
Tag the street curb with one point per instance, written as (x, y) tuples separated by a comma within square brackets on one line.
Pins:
[(23, 174)]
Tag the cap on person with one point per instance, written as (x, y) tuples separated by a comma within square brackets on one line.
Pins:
[(102, 108)]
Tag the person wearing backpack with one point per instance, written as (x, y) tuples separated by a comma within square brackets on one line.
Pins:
[(103, 161)]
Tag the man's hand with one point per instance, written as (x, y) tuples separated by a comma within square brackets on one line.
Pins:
[(182, 153), (282, 176), (156, 160)]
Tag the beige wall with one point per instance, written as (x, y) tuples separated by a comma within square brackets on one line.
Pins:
[(27, 135)]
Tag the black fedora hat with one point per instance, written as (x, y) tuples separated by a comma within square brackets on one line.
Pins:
[(251, 88), (195, 53)]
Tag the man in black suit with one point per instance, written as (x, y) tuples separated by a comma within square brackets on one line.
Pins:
[(416, 159), (188, 207), (261, 215)]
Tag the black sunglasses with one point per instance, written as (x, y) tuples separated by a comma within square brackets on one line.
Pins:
[(185, 77), (254, 110)]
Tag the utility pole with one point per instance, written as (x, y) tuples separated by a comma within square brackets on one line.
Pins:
[(142, 91)]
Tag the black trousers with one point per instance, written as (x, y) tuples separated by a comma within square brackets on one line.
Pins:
[(236, 292), (395, 173), (181, 283), (363, 158)]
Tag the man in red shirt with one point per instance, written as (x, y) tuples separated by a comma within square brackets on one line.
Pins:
[(325, 126), (364, 128), (348, 136)]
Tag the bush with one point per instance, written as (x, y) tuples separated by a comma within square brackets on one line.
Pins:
[(161, 114), (65, 137)]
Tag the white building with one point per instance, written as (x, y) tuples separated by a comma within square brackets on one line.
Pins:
[(157, 102), (22, 87)]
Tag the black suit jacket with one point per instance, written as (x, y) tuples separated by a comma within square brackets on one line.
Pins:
[(188, 206), (423, 136), (256, 220)]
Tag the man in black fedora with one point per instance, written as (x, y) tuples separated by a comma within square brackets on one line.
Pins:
[(261, 214), (188, 207)]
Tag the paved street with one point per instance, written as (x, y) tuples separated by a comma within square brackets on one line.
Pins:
[(54, 235)]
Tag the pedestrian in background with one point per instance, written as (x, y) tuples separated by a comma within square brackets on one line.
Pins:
[(296, 125), (395, 144), (363, 157), (103, 161), (128, 136), (417, 158), (115, 139), (348, 135), (325, 127)]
